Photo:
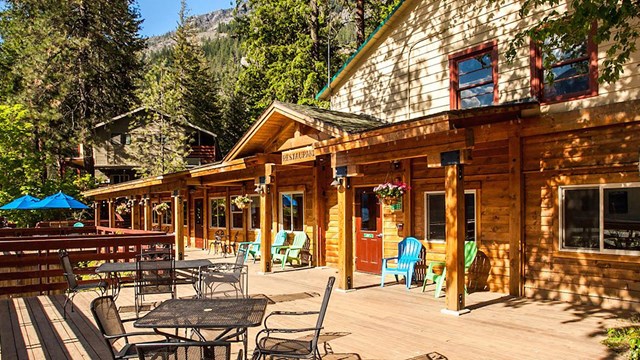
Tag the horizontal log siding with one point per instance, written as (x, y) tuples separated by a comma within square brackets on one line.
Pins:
[(585, 157), (407, 75)]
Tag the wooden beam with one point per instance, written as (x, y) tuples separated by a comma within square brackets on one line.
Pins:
[(112, 213), (266, 201), (345, 236), (97, 207), (135, 214), (178, 228), (148, 218), (455, 234), (516, 210)]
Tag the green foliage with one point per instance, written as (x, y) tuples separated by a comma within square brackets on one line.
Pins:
[(617, 24), (625, 339)]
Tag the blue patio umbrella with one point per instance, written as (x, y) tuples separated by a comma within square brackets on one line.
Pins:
[(25, 202), (59, 200)]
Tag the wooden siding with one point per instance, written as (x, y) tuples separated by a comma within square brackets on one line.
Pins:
[(594, 156), (406, 76)]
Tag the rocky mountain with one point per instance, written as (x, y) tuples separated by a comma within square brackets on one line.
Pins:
[(208, 26)]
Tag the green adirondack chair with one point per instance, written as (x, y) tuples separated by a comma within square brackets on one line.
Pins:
[(470, 251), (292, 252), (251, 247)]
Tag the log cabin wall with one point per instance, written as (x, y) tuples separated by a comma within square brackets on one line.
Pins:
[(602, 155)]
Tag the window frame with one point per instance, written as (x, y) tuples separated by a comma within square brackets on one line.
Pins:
[(561, 220), (454, 59), (237, 210), (426, 215), (537, 72), (211, 207), (255, 203), (281, 206)]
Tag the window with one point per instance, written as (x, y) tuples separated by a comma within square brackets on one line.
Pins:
[(436, 218), (185, 213), (218, 213), (600, 218), (255, 212), (236, 215), (561, 72), (474, 77), (120, 139), (166, 216), (291, 211), (118, 178)]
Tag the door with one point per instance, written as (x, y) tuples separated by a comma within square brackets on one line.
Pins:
[(198, 222), (368, 231)]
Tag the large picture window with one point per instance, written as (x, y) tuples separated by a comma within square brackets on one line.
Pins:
[(474, 77), (236, 215), (562, 72), (291, 211), (255, 212), (218, 213), (600, 218), (436, 218)]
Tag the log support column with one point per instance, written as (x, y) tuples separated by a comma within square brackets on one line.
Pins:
[(135, 213), (178, 221), (455, 236), (148, 220), (112, 213), (345, 235), (97, 207), (516, 209), (266, 217)]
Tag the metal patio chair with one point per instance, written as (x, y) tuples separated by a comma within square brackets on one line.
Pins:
[(154, 275), (111, 327), (73, 287), (191, 350), (233, 274), (271, 342)]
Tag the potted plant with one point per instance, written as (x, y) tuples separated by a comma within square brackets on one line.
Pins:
[(161, 208), (389, 193), (242, 201), (123, 208)]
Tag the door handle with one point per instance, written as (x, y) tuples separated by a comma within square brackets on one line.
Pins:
[(379, 236)]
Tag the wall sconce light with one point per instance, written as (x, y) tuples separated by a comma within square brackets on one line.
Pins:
[(261, 186), (340, 176), (396, 164), (337, 182), (192, 190)]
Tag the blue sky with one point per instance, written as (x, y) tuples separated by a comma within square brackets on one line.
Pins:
[(161, 16)]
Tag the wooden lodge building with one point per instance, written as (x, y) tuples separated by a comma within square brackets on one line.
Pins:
[(542, 175)]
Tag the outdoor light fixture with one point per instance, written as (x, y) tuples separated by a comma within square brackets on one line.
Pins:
[(261, 186), (340, 177)]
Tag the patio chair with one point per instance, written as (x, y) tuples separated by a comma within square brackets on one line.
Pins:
[(278, 243), (233, 274), (470, 252), (153, 276), (408, 255), (111, 327), (270, 343), (216, 241), (251, 247), (293, 252), (196, 350), (73, 287)]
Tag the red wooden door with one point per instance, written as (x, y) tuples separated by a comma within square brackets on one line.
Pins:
[(198, 222), (368, 231)]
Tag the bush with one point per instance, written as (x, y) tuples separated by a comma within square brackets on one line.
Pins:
[(625, 339)]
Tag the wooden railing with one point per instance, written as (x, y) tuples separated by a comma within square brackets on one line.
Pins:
[(31, 265)]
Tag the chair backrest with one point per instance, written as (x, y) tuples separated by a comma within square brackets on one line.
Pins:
[(155, 276), (299, 241), (219, 234), (408, 252), (107, 318), (258, 236), (279, 240), (67, 268), (470, 252), (184, 350), (323, 311)]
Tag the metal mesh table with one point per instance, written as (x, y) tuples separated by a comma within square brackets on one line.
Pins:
[(205, 313), (131, 266)]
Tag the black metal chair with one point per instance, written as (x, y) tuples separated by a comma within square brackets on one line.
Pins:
[(271, 342), (233, 274), (196, 350), (73, 287), (111, 327), (154, 275), (217, 240)]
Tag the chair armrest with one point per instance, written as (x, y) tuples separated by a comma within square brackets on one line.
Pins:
[(291, 331), (390, 258), (139, 333), (288, 313)]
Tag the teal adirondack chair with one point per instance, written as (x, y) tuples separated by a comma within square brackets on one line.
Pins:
[(408, 255), (292, 252), (251, 247), (278, 243), (470, 251)]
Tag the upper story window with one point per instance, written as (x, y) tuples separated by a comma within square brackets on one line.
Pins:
[(118, 178), (120, 139), (562, 72), (474, 77), (600, 218)]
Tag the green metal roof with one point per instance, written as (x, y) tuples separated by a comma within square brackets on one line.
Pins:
[(348, 122)]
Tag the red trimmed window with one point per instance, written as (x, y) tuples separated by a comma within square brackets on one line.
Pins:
[(474, 77), (566, 73)]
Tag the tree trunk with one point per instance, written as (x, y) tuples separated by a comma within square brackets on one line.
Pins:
[(360, 25), (313, 26)]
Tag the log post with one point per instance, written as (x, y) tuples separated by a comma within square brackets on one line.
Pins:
[(266, 200), (97, 207), (148, 217), (112, 213), (455, 236), (178, 228), (135, 213), (345, 235), (516, 207)]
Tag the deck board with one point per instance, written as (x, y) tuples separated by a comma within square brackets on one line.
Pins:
[(373, 322)]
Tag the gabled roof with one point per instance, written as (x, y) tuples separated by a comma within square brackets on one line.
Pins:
[(147, 108), (376, 37), (275, 117)]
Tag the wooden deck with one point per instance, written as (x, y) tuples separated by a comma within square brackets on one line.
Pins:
[(369, 323)]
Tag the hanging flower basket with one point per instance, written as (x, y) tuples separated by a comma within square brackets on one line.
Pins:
[(123, 209), (389, 193), (242, 201), (161, 208)]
